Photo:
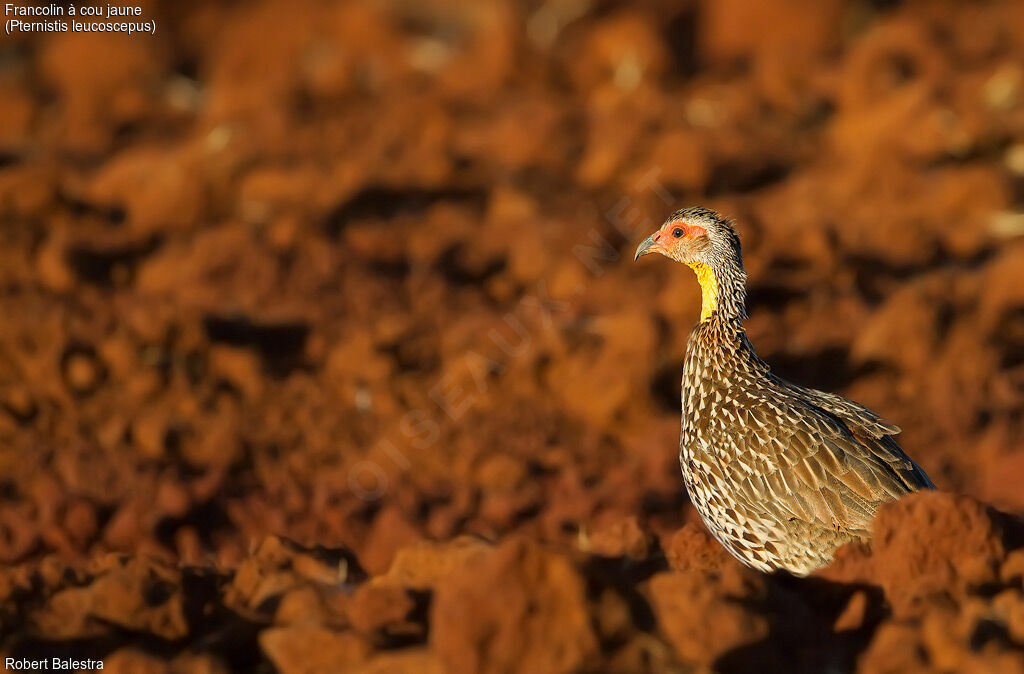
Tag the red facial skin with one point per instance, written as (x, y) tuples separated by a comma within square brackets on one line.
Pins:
[(665, 240)]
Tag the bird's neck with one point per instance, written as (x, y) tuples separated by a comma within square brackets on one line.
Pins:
[(718, 345), (723, 290)]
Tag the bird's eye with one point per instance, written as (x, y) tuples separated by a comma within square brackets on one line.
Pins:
[(678, 232)]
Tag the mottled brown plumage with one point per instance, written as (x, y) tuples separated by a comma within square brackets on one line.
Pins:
[(781, 474)]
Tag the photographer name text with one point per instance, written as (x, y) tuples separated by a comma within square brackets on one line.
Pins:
[(51, 664)]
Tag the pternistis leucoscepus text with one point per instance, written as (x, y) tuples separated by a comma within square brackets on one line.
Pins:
[(781, 474)]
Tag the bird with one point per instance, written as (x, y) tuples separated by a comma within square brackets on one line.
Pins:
[(782, 475)]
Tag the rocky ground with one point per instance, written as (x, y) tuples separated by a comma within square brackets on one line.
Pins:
[(323, 349)]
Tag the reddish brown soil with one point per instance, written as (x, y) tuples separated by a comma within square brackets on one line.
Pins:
[(322, 350)]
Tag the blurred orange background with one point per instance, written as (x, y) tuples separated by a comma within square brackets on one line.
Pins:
[(359, 275)]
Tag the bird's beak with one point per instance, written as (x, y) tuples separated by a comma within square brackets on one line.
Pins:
[(648, 245)]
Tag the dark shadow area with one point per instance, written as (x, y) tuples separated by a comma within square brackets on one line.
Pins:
[(416, 627), (9, 157), (875, 278), (458, 270), (380, 202), (734, 177), (801, 613), (1013, 533), (97, 266), (665, 387), (212, 628), (414, 351), (392, 268), (78, 208), (772, 296), (624, 575), (1008, 338), (681, 37), (828, 369), (280, 345), (207, 519), (658, 503)]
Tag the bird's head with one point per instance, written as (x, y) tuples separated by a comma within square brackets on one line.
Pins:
[(695, 236), (707, 243)]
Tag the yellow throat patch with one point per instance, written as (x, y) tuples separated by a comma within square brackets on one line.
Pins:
[(708, 289)]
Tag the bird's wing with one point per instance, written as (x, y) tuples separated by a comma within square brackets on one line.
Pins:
[(818, 465), (855, 415), (866, 425)]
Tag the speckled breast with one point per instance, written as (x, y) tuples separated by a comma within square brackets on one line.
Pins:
[(711, 465)]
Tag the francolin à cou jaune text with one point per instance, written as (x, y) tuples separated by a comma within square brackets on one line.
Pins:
[(781, 474)]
